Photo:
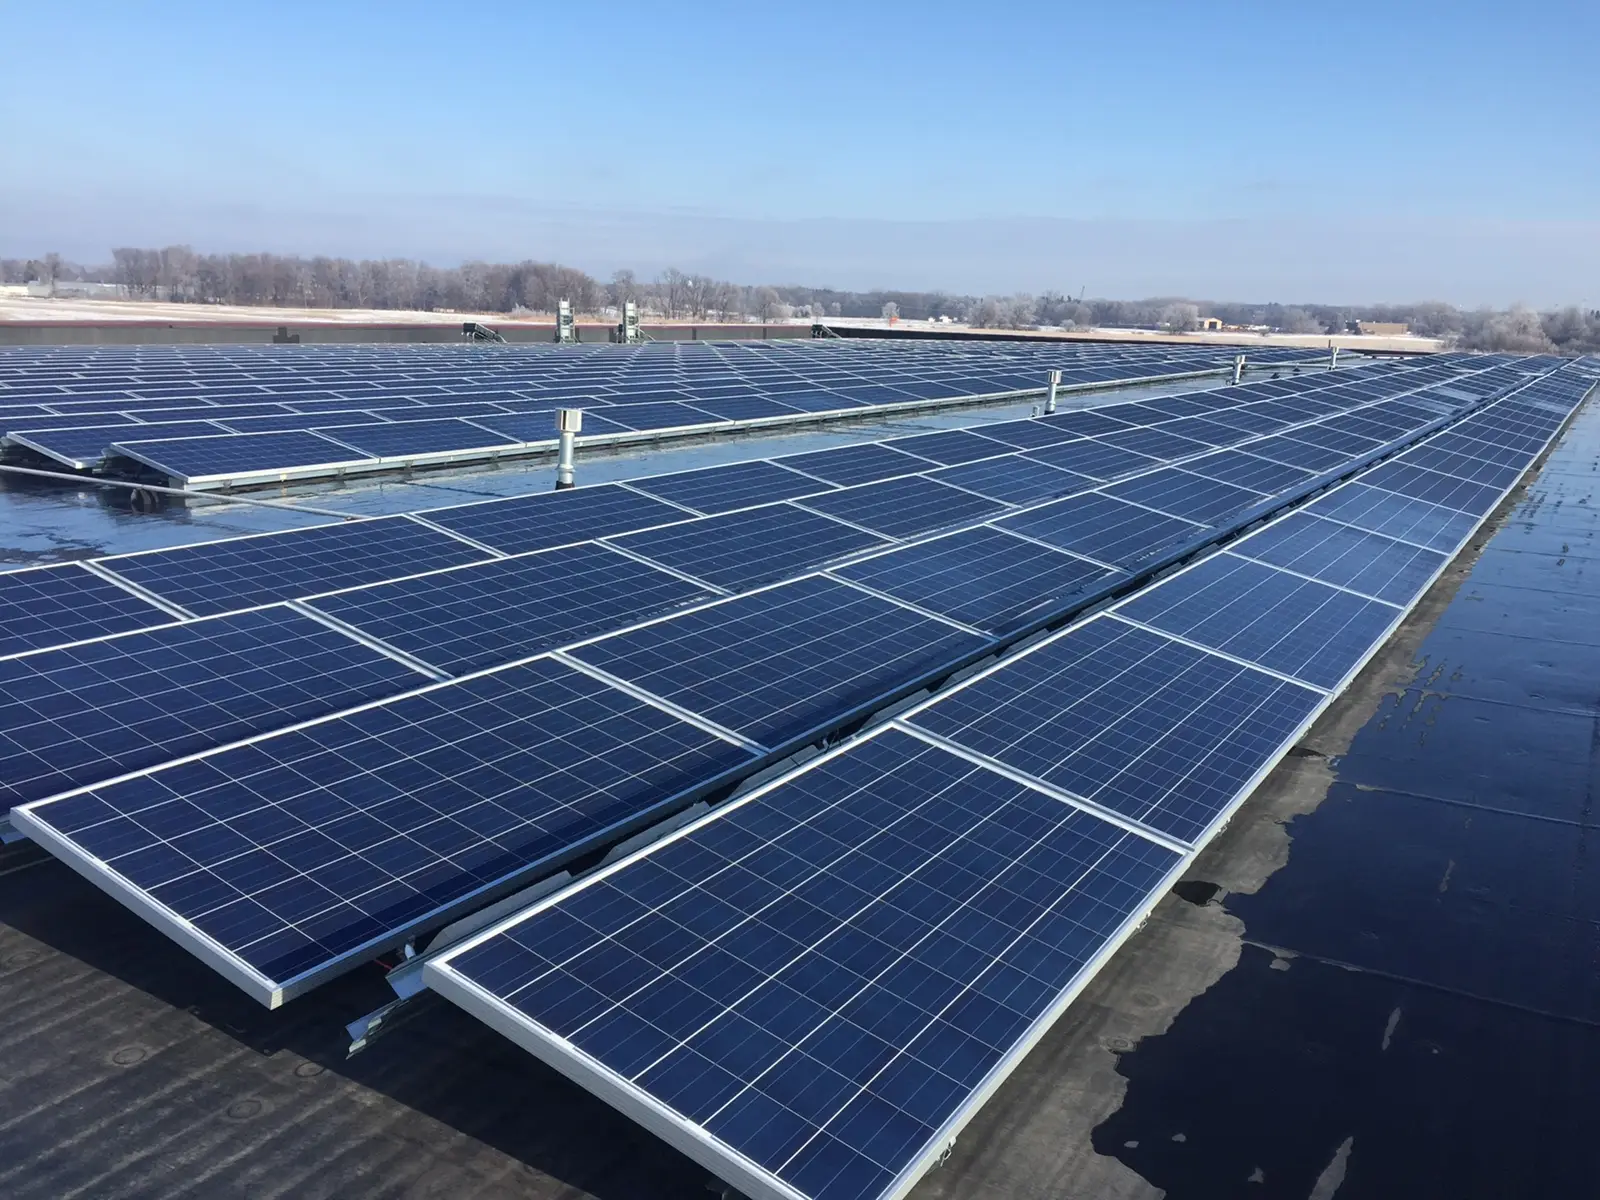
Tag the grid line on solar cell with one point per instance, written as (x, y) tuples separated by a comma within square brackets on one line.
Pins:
[(1138, 723), (1368, 563), (396, 439), (486, 614), (850, 465), (1288, 623), (951, 446), (1014, 480), (904, 507), (777, 664), (553, 519), (1102, 528), (215, 577), (1094, 459), (295, 851), (49, 606), (981, 577), (1247, 471), (899, 919), (744, 549), (1377, 511), (237, 453), (725, 488), (82, 714), (1181, 494)]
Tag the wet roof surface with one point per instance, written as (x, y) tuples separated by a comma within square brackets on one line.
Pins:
[(1380, 981)]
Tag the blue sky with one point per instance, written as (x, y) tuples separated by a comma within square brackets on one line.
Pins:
[(1252, 151)]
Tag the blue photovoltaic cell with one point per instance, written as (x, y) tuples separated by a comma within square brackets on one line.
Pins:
[(1463, 466), (218, 577), (1094, 459), (1154, 442), (848, 465), (236, 453), (1433, 487), (1298, 454), (84, 446), (81, 714), (510, 608), (1027, 434), (1287, 623), (745, 549), (1193, 497), (1347, 445), (904, 507), (1363, 562), (1156, 730), (308, 847), (1100, 527), (822, 977), (1247, 471), (817, 401), (1247, 420), (1397, 516), (657, 416), (1086, 422), (48, 606), (737, 485), (742, 408), (776, 665), (1200, 429), (556, 518), (541, 426), (1014, 479), (396, 439), (981, 577), (951, 446)]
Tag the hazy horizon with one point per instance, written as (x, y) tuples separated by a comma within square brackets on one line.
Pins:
[(1256, 158)]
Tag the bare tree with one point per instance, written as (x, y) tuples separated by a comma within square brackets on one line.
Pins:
[(1180, 317)]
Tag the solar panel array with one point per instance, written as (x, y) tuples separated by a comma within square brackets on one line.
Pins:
[(813, 987), (286, 857), (207, 416)]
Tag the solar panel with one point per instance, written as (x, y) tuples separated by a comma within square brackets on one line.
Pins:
[(742, 408), (742, 550), (980, 577), (1103, 528), (198, 458), (849, 465), (397, 439), (1028, 434), (775, 665), (951, 446), (281, 860), (1339, 554), (1163, 733), (1311, 631), (48, 606), (1420, 484), (490, 613), (658, 416), (82, 714), (737, 485), (83, 446), (1014, 480), (814, 985), (1247, 471), (1415, 521), (904, 507), (1094, 459), (553, 519), (1085, 422), (1193, 497), (1297, 453), (217, 577), (1154, 442)]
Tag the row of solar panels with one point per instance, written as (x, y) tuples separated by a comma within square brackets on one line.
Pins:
[(285, 386), (1038, 460), (223, 452), (185, 687), (282, 858), (811, 989)]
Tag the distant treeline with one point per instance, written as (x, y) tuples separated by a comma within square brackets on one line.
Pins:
[(178, 273)]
